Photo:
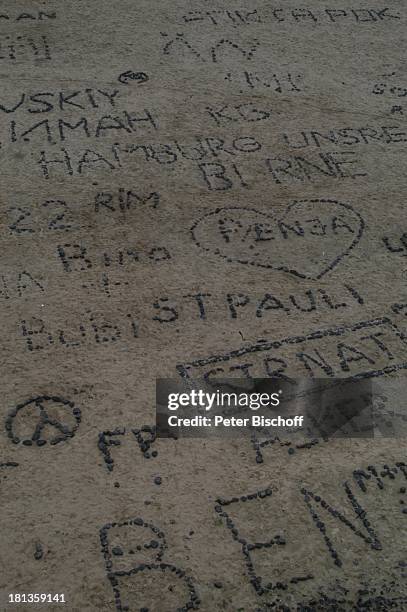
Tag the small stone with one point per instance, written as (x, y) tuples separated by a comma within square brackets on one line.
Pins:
[(157, 480), (117, 485), (39, 553), (218, 585), (117, 551)]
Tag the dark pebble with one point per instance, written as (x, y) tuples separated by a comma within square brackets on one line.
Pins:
[(157, 480), (218, 585), (39, 553)]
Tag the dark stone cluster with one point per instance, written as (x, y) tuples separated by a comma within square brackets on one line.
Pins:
[(39, 552)]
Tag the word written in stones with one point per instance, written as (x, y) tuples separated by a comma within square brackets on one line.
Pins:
[(280, 83), (26, 18), (145, 437), (243, 306), (39, 103), (181, 46), (21, 48), (311, 238), (58, 215), (365, 535), (227, 113), (90, 330), (300, 16), (362, 350), (164, 154), (346, 137), (127, 122), (338, 165), (77, 257), (216, 17)]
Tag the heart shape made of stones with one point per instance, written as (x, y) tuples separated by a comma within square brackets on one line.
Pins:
[(310, 240)]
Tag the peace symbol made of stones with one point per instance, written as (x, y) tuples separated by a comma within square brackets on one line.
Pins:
[(41, 420)]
